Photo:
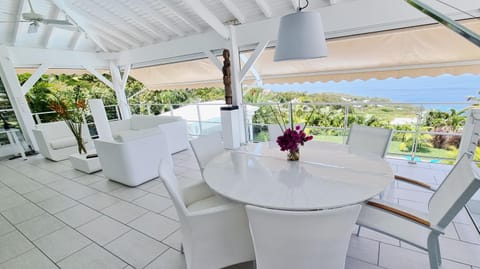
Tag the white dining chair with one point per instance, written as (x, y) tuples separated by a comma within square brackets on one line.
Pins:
[(206, 147), (423, 229), (366, 140), (301, 239), (215, 231)]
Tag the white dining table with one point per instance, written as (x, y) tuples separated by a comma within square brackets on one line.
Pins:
[(327, 176)]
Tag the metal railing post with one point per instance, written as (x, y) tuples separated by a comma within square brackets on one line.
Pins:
[(37, 118), (199, 119), (290, 114), (415, 139), (345, 123)]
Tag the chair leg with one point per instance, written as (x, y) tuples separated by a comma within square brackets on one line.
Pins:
[(434, 251)]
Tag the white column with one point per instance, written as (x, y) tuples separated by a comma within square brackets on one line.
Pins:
[(17, 99), (119, 84), (236, 82)]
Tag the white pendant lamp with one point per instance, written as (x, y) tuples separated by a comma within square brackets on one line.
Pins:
[(301, 36)]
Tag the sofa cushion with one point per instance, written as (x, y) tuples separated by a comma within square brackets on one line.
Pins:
[(63, 142), (130, 135), (139, 122)]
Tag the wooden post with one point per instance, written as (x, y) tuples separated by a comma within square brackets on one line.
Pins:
[(227, 77)]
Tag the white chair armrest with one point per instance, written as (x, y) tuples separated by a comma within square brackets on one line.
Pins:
[(196, 192)]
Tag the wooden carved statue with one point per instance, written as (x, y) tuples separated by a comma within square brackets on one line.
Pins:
[(227, 77)]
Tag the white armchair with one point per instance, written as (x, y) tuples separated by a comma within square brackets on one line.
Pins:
[(215, 231), (420, 229), (134, 158), (301, 239), (56, 142)]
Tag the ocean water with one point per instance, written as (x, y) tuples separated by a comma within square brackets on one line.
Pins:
[(445, 89)]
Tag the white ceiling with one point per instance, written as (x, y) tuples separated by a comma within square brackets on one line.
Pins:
[(148, 32)]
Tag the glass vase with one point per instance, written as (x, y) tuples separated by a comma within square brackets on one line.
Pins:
[(293, 155)]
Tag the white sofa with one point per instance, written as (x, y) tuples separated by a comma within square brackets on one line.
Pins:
[(56, 142), (133, 158), (175, 129)]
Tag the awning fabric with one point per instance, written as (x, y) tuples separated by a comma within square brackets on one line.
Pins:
[(420, 51)]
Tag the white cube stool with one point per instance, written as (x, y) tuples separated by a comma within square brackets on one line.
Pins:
[(80, 162)]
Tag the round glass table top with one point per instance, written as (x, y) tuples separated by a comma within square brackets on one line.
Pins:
[(327, 176)]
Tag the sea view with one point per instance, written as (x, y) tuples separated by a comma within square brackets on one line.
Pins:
[(442, 89)]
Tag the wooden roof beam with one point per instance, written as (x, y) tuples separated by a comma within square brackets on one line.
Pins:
[(54, 12), (265, 8), (140, 20), (72, 44), (134, 32), (16, 26), (208, 17), (80, 21), (182, 15), (234, 10)]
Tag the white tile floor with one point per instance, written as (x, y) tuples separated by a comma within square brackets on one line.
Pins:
[(54, 216)]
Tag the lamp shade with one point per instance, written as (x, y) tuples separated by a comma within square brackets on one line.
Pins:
[(301, 36)]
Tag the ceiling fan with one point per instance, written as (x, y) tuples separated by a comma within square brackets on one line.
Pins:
[(35, 19)]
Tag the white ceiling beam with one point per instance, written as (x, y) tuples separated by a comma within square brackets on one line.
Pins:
[(182, 15), (294, 4), (236, 12), (120, 41), (126, 73), (252, 70), (27, 85), (208, 17), (112, 43), (265, 8), (80, 21), (16, 26), (54, 12), (150, 10), (99, 76), (103, 28), (72, 44), (139, 19), (253, 59), (100, 13), (25, 57), (214, 59)]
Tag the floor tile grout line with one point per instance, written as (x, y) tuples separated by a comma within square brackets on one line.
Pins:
[(33, 244)]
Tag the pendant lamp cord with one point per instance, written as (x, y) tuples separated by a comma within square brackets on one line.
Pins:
[(305, 6)]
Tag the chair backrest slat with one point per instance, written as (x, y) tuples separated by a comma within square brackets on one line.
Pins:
[(366, 140), (301, 239), (455, 191), (207, 147)]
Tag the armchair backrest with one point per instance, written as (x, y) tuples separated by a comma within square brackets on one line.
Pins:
[(457, 188), (206, 148), (165, 172), (369, 140), (54, 130), (301, 239)]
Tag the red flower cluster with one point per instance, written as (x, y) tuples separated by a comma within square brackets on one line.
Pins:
[(292, 138)]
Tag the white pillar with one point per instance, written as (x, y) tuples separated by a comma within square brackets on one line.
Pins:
[(17, 99), (236, 82), (119, 88)]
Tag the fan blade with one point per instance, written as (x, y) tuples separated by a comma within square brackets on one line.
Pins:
[(66, 27), (12, 21), (57, 22)]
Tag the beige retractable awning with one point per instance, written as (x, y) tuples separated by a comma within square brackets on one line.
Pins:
[(420, 51)]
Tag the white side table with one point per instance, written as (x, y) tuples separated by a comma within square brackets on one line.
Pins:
[(80, 162)]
